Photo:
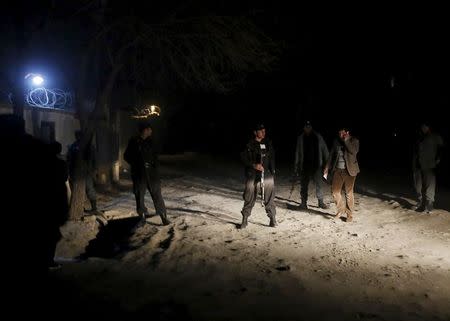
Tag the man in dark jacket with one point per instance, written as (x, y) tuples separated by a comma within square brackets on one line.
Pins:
[(259, 161), (143, 160), (32, 190), (311, 156), (427, 156), (344, 167), (59, 209)]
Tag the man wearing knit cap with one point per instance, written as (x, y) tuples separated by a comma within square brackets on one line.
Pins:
[(259, 161)]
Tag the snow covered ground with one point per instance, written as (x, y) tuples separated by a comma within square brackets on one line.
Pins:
[(390, 263)]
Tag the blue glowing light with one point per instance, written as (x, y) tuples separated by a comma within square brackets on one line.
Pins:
[(38, 80)]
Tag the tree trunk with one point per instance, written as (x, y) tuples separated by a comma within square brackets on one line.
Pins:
[(104, 150), (115, 122), (85, 115), (89, 121), (78, 190), (90, 124), (79, 180), (108, 150)]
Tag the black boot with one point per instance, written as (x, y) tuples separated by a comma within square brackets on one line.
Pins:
[(429, 207), (420, 206), (273, 221), (142, 221), (93, 210), (164, 219), (244, 222), (323, 205)]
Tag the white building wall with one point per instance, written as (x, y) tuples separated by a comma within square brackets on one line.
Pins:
[(65, 122)]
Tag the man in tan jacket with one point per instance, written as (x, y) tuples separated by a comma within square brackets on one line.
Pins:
[(343, 166)]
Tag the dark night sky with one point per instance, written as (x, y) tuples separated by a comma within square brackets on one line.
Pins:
[(338, 72), (335, 68)]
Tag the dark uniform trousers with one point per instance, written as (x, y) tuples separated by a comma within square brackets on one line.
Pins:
[(425, 185), (251, 192), (140, 185)]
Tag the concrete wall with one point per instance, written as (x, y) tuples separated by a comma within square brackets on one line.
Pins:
[(64, 121)]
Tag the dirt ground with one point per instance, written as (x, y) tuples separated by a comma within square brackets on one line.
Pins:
[(390, 263)]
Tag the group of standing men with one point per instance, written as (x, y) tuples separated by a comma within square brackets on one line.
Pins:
[(339, 167), (313, 162)]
